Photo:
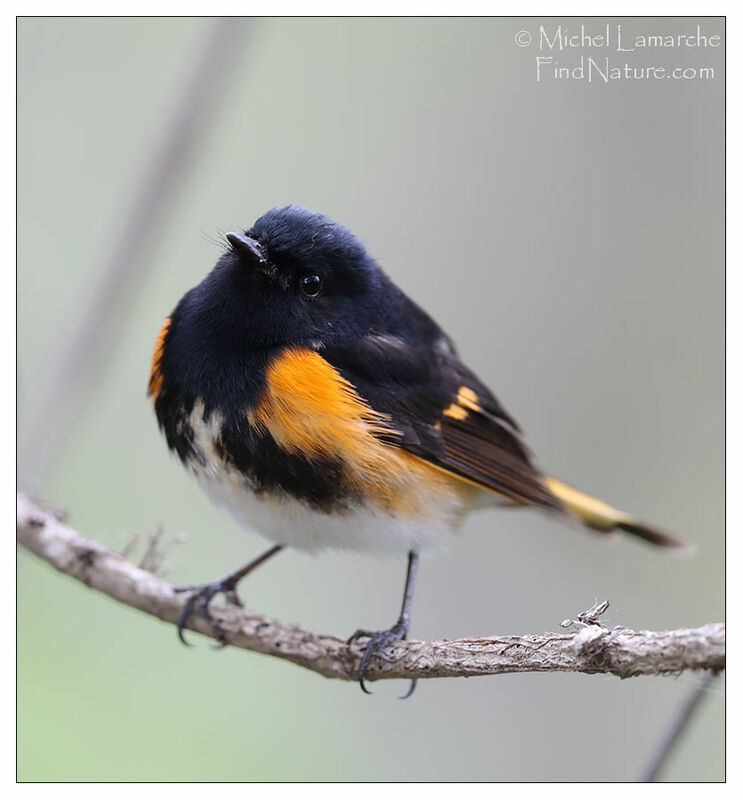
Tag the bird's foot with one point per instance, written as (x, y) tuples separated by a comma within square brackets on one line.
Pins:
[(378, 643), (203, 594)]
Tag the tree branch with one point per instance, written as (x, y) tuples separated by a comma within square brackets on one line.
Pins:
[(592, 649), (679, 726)]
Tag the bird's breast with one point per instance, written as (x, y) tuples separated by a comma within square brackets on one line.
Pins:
[(309, 465)]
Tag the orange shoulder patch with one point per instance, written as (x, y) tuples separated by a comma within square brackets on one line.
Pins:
[(310, 409), (156, 376)]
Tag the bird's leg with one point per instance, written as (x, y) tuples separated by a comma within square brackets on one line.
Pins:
[(378, 640), (204, 593)]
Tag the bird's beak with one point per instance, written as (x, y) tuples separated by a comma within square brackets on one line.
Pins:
[(245, 245)]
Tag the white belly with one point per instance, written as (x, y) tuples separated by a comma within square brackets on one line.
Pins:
[(439, 507), (284, 520)]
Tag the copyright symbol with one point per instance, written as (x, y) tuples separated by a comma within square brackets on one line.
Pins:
[(523, 38)]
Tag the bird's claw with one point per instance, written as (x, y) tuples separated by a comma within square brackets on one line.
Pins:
[(378, 642), (204, 594)]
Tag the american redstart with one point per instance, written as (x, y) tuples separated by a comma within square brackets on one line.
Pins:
[(318, 405)]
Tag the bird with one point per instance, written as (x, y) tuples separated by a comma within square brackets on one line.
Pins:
[(318, 405)]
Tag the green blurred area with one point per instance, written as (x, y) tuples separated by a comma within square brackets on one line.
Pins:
[(569, 236)]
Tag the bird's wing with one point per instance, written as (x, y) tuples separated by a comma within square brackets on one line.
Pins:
[(439, 411)]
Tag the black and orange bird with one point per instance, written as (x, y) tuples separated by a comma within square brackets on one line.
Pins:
[(318, 405)]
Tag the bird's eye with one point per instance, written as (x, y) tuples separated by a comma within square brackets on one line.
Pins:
[(311, 285)]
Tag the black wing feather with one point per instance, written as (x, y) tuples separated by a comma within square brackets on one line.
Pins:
[(415, 380)]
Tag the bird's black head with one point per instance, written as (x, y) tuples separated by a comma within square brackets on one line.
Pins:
[(296, 277)]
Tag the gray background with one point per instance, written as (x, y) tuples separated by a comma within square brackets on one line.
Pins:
[(570, 238)]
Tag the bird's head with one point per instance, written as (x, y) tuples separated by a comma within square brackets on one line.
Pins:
[(295, 277)]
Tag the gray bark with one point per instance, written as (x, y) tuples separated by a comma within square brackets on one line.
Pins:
[(593, 648)]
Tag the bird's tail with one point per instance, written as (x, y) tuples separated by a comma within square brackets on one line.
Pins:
[(602, 517)]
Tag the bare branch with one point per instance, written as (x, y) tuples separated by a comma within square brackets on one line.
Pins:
[(593, 649), (678, 727)]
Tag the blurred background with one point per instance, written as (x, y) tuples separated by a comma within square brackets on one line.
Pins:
[(567, 234)]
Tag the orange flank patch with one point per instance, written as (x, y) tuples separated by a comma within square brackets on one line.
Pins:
[(156, 376), (310, 409)]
